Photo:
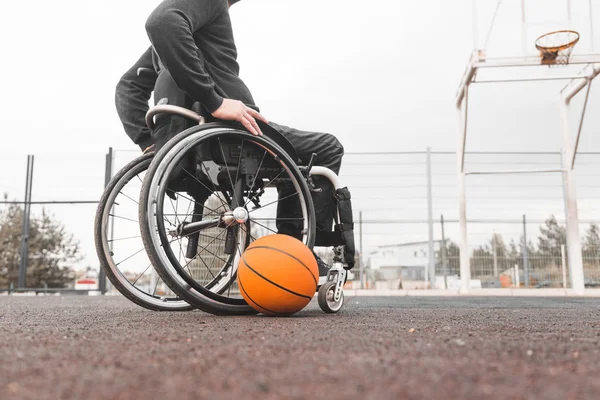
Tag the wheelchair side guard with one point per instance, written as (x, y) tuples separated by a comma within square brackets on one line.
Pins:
[(346, 224), (279, 139)]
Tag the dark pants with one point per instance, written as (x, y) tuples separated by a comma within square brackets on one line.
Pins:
[(329, 152)]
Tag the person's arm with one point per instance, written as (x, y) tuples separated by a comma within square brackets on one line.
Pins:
[(171, 28), (131, 98)]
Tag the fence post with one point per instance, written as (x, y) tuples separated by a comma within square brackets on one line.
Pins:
[(360, 258), (564, 265), (430, 220), (525, 254), (517, 283), (494, 252), (443, 251), (107, 178), (25, 229)]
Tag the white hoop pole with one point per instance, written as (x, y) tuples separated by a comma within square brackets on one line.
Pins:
[(591, 27), (464, 121), (557, 78), (475, 16), (466, 79), (523, 28), (514, 171), (587, 95), (575, 86), (465, 267), (573, 239)]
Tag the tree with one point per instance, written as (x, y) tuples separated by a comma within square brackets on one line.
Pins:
[(51, 255), (482, 261), (591, 245), (552, 237), (452, 258), (591, 241)]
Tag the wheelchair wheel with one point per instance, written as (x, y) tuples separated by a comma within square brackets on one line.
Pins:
[(123, 258), (326, 298), (207, 195)]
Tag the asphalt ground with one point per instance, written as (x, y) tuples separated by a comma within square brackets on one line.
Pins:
[(375, 348)]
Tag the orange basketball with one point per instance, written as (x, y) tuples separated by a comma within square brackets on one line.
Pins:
[(278, 275)]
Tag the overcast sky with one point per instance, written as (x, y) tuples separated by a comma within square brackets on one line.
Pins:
[(380, 75)]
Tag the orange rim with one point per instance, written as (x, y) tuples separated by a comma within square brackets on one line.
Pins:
[(555, 49)]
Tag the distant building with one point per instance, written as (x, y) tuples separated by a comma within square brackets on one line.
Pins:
[(405, 261)]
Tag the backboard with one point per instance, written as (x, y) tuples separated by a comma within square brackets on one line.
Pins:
[(509, 28)]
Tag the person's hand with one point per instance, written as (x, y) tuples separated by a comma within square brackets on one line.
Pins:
[(234, 110)]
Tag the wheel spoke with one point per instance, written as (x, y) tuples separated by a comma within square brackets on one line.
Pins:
[(273, 202), (138, 278), (211, 253), (175, 210), (276, 176), (227, 168), (203, 262), (202, 166), (134, 254), (181, 254), (155, 287), (255, 176), (212, 241), (277, 219), (195, 202), (125, 238), (123, 218), (248, 233), (130, 198), (214, 189), (209, 269), (237, 172), (266, 227)]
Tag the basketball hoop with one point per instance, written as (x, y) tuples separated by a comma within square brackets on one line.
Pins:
[(555, 47)]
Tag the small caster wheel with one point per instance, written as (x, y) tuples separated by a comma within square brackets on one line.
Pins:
[(326, 300)]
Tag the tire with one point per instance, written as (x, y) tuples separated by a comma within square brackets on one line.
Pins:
[(105, 255), (153, 191)]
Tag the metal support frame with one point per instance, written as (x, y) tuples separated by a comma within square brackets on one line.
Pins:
[(569, 153), (107, 178), (360, 258), (26, 220), (525, 254), (465, 267), (573, 238), (431, 258)]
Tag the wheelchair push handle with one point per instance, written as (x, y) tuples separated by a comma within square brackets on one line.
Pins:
[(170, 109)]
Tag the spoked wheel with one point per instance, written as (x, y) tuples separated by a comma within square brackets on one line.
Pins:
[(327, 300), (207, 195), (120, 247)]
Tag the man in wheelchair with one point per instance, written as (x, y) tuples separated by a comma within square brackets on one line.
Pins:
[(192, 63)]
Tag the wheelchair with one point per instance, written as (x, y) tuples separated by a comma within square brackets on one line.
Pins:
[(213, 189)]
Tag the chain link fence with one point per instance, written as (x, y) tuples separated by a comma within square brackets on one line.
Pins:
[(397, 197)]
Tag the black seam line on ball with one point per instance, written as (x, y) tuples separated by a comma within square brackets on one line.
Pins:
[(287, 254), (273, 283), (252, 300)]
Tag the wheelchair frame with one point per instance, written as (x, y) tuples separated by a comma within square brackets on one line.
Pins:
[(330, 296)]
